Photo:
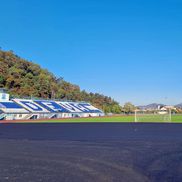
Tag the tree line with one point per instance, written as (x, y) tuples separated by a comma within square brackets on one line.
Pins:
[(23, 78)]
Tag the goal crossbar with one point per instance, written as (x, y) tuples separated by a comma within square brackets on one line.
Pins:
[(153, 116)]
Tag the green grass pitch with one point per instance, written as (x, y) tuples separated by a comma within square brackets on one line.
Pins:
[(119, 119)]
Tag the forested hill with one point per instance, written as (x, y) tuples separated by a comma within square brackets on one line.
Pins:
[(24, 79)]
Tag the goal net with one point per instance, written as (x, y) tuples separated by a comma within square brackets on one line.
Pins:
[(153, 116)]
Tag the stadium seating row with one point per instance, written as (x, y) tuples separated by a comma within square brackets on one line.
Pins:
[(48, 108)]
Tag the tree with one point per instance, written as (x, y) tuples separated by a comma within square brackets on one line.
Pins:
[(129, 108), (116, 109), (2, 81)]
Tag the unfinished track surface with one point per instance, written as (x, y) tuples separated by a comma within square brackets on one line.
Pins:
[(90, 152)]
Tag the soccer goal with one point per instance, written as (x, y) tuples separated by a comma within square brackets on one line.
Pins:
[(153, 116)]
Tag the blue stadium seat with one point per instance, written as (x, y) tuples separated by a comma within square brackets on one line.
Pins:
[(51, 106), (89, 107), (10, 105)]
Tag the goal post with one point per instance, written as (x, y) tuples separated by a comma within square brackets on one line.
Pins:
[(153, 115)]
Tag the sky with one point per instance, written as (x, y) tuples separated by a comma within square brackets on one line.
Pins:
[(129, 50)]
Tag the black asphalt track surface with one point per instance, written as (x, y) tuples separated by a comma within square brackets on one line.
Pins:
[(96, 152)]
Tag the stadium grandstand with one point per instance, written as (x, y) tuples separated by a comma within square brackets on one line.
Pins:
[(22, 109)]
